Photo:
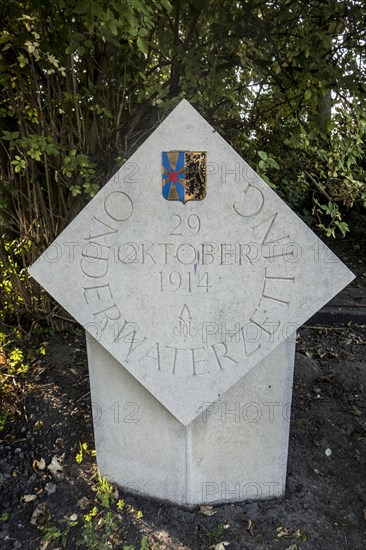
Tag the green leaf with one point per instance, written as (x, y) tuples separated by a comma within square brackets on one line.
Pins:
[(97, 10), (75, 190), (343, 226), (5, 37), (109, 14), (140, 6), (10, 136), (166, 4), (263, 155), (276, 68), (271, 162), (307, 94), (142, 45), (113, 28), (89, 22), (82, 7)]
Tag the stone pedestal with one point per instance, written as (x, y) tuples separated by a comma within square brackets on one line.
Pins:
[(191, 275), (235, 450)]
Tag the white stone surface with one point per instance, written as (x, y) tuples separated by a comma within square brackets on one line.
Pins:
[(189, 298), (235, 450)]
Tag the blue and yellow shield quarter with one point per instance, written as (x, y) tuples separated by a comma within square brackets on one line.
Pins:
[(184, 175)]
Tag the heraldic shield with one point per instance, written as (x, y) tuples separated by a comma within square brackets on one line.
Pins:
[(184, 175)]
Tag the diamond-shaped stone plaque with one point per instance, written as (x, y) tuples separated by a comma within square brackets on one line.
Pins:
[(189, 296)]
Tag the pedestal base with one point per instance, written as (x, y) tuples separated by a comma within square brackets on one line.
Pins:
[(235, 451)]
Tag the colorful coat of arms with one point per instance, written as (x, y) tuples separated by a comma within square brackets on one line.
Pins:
[(184, 175)]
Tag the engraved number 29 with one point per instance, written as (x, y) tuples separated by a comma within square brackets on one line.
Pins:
[(193, 224)]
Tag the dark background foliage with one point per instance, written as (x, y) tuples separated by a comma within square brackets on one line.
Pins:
[(83, 83)]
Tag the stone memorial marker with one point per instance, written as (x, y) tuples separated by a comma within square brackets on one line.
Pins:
[(190, 276)]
